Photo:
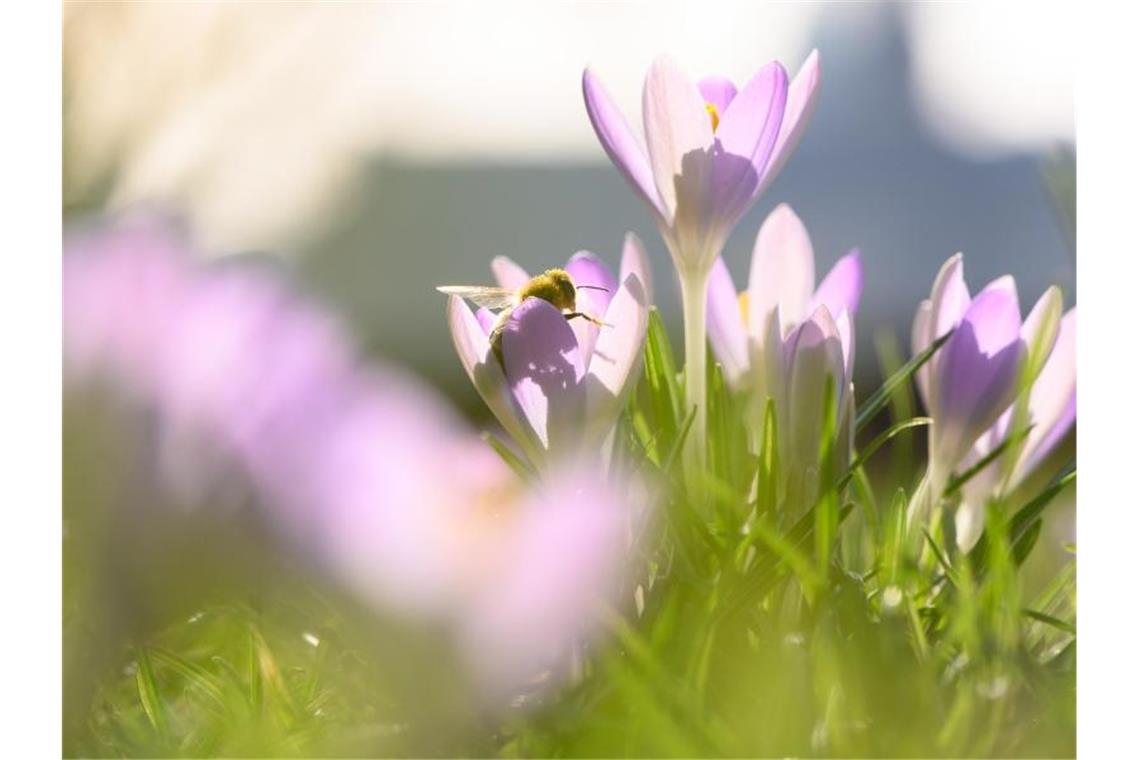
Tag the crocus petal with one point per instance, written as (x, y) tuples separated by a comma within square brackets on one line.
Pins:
[(614, 365), (717, 91), (677, 131), (919, 342), (745, 139), (587, 269), (486, 319), (1053, 400), (1040, 329), (635, 261), (727, 334), (508, 274), (544, 371), (802, 95), (842, 287), (620, 143), (949, 298), (783, 269), (846, 330), (474, 350), (976, 378)]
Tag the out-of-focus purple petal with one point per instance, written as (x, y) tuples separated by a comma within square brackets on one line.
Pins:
[(801, 99), (677, 131), (620, 143), (122, 288), (616, 360), (783, 269), (718, 91), (727, 335), (977, 375), (842, 287), (1053, 399), (562, 563), (474, 350), (634, 260), (544, 372), (745, 139), (508, 274)]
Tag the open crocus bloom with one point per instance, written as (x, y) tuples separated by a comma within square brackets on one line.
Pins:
[(783, 337), (974, 378), (562, 383), (361, 469), (1051, 409), (709, 149)]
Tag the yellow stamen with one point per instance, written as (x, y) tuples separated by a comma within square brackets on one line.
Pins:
[(742, 302), (714, 115)]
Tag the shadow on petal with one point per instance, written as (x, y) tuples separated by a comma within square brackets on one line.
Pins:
[(544, 372)]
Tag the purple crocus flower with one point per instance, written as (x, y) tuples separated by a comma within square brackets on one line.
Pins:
[(975, 377), (358, 467), (712, 149), (709, 151), (783, 338), (562, 383)]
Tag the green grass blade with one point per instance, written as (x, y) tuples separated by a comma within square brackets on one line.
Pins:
[(149, 696), (869, 408), (877, 443)]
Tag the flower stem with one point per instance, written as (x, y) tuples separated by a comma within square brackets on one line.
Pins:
[(694, 302)]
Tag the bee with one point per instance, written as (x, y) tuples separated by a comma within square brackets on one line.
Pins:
[(555, 286)]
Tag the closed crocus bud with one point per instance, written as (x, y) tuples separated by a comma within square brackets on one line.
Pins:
[(798, 369), (784, 337), (562, 383)]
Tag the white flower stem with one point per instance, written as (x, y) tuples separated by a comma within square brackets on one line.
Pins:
[(694, 302)]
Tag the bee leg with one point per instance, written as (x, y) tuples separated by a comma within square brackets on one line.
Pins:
[(588, 318)]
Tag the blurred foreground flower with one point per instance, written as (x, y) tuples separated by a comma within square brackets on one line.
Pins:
[(562, 383), (359, 468), (711, 151), (781, 339), (971, 381)]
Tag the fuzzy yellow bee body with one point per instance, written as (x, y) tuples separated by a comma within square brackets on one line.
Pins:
[(555, 286)]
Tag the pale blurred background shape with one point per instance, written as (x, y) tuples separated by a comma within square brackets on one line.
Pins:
[(381, 149)]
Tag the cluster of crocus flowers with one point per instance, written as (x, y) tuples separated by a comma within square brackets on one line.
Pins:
[(785, 339), (355, 465), (561, 383), (997, 378), (709, 151)]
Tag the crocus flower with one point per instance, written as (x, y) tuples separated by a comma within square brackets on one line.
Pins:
[(562, 383), (783, 337), (974, 378), (709, 151), (1051, 409), (358, 467)]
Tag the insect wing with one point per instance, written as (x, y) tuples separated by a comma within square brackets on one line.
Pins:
[(486, 297)]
